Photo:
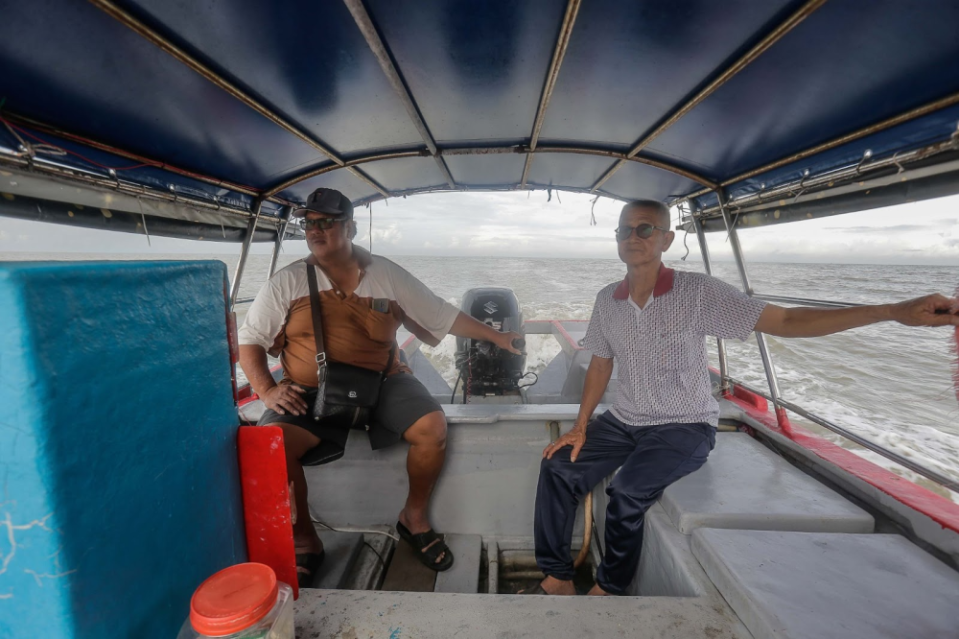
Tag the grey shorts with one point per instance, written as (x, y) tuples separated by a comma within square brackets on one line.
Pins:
[(403, 400)]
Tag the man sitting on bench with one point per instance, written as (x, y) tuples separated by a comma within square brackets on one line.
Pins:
[(364, 299), (663, 422)]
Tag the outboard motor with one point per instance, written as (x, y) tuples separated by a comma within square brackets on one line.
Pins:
[(484, 368)]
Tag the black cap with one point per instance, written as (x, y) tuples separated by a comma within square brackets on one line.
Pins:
[(329, 202)]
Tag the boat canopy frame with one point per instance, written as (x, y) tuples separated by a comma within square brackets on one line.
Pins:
[(740, 64)]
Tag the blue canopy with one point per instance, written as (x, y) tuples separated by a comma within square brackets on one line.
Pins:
[(235, 100)]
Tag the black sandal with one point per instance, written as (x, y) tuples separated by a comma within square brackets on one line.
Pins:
[(428, 556), (307, 566)]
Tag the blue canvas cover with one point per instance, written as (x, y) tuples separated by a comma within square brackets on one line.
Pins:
[(477, 75)]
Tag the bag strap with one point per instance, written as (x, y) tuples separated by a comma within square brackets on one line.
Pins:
[(315, 309), (389, 362)]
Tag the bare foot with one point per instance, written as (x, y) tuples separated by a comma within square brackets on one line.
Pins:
[(596, 591), (312, 546), (306, 543), (555, 586), (417, 523)]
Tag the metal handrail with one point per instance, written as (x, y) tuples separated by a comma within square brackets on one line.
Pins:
[(804, 301), (245, 250), (720, 343), (928, 473), (774, 396), (768, 367)]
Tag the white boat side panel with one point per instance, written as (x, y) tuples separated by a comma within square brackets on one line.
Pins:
[(813, 585), (667, 566), (487, 486), (326, 614), (745, 485)]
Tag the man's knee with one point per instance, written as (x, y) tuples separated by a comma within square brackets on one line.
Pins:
[(428, 430), (634, 497), (558, 471), (297, 441)]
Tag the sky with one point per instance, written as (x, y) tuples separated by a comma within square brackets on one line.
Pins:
[(533, 224)]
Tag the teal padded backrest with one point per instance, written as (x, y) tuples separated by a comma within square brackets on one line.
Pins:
[(119, 488)]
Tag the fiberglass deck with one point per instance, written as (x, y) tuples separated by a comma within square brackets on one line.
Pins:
[(748, 546)]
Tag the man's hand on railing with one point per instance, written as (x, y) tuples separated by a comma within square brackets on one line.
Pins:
[(931, 310)]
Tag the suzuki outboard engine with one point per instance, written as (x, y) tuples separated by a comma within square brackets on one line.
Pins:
[(484, 368)]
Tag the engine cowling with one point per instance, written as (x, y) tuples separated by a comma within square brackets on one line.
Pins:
[(485, 368)]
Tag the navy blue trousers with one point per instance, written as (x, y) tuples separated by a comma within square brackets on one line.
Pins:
[(650, 458)]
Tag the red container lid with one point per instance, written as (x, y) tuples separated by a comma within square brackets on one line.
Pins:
[(233, 599)]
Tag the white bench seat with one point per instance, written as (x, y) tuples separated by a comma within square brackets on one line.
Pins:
[(788, 585), (745, 485)]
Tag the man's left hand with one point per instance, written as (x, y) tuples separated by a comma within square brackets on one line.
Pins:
[(931, 310)]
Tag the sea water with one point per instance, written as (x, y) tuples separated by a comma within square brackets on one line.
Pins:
[(888, 383)]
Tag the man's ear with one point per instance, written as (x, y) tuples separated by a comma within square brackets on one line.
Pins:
[(351, 229), (668, 240)]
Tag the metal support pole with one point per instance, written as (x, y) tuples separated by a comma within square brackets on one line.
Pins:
[(245, 251), (280, 235), (781, 417), (720, 343)]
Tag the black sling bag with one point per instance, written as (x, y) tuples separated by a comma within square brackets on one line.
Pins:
[(345, 394)]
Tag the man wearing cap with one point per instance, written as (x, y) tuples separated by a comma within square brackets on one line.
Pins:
[(662, 423), (364, 299)]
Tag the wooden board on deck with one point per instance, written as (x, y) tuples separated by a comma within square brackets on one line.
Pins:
[(406, 573)]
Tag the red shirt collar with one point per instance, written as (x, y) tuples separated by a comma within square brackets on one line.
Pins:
[(664, 284)]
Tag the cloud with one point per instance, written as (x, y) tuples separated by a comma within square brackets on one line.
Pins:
[(388, 235), (526, 224), (899, 228)]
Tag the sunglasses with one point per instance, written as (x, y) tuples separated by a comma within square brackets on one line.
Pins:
[(643, 231), (322, 223)]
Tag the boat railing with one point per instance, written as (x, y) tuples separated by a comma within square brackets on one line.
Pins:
[(781, 405), (803, 301)]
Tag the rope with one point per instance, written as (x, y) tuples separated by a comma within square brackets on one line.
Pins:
[(47, 148), (469, 381), (588, 533), (453, 394)]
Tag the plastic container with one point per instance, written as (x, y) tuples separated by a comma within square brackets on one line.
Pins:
[(241, 602)]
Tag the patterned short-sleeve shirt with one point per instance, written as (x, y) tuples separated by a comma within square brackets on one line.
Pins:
[(661, 349)]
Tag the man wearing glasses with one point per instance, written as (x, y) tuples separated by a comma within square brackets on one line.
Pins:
[(662, 424), (364, 299)]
